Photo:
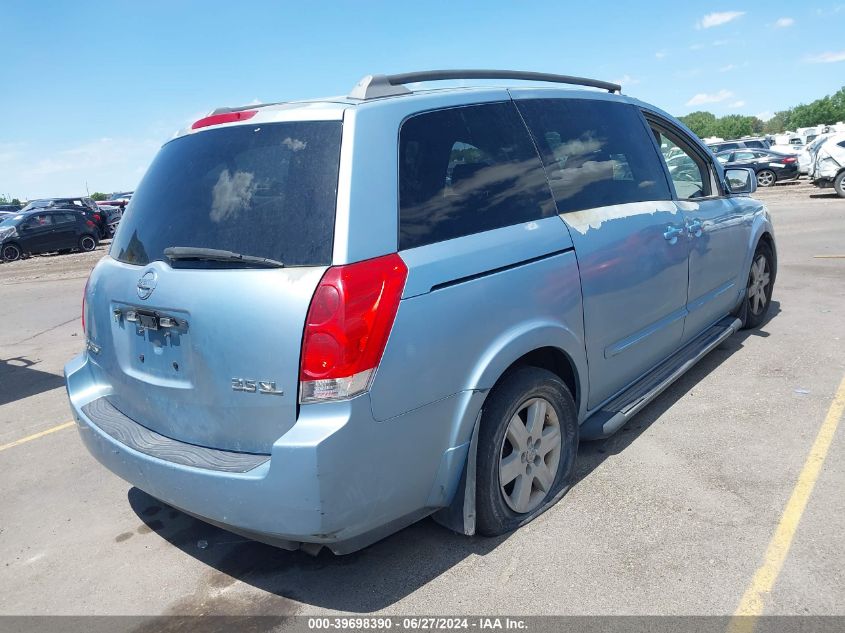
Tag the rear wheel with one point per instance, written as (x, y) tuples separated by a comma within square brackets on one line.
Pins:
[(766, 178), (761, 281), (11, 252), (87, 243), (527, 445), (839, 184)]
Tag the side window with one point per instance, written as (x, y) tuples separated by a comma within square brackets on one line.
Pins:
[(596, 153), (466, 170), (744, 155), (36, 221), (63, 218), (688, 170)]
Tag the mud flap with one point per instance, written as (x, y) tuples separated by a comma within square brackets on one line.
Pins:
[(459, 516)]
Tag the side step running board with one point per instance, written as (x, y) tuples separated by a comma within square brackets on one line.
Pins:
[(616, 413)]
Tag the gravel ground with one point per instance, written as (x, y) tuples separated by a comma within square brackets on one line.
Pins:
[(52, 266)]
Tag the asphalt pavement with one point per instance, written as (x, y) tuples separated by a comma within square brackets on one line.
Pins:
[(673, 515)]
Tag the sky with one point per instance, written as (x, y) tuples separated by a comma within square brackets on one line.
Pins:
[(90, 90)]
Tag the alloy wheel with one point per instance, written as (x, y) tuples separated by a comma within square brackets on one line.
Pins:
[(11, 253), (530, 455), (765, 178), (758, 284)]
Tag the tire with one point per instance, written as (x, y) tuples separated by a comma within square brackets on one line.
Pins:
[(766, 178), (839, 184), (539, 477), (758, 290), (11, 253), (87, 243)]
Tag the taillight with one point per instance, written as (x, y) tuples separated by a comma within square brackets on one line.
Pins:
[(789, 159), (97, 217), (224, 117), (89, 223), (347, 326)]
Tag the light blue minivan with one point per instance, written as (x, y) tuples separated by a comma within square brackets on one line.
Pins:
[(320, 321)]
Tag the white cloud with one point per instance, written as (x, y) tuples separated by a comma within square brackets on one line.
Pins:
[(826, 58), (765, 115), (626, 80), (783, 23), (33, 170), (727, 68), (696, 47), (717, 19), (720, 42), (737, 104), (660, 54), (716, 97)]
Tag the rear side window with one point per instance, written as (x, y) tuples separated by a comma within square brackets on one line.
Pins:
[(265, 190), (466, 170), (64, 218), (596, 153)]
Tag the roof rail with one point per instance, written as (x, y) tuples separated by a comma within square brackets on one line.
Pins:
[(374, 86)]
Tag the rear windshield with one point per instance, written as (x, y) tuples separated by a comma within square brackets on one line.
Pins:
[(264, 190)]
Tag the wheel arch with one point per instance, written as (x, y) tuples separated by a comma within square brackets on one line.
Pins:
[(548, 346)]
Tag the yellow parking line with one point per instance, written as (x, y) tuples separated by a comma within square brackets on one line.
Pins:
[(752, 602), (828, 256), (35, 436)]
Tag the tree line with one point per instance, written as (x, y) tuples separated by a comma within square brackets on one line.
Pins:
[(829, 109)]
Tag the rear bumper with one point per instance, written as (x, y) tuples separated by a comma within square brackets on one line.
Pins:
[(337, 478)]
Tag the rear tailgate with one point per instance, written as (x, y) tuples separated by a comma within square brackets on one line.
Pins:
[(225, 374), (202, 350)]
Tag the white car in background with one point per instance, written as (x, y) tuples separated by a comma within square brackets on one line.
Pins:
[(827, 166)]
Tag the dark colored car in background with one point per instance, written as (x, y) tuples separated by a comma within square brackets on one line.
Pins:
[(10, 208), (770, 167), (754, 143), (84, 205), (44, 231)]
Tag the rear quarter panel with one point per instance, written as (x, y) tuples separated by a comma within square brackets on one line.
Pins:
[(472, 307)]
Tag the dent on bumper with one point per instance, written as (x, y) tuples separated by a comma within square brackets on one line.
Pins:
[(337, 477)]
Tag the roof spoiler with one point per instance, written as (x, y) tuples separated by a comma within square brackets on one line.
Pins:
[(375, 86)]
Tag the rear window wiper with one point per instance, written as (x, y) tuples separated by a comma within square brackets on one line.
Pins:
[(191, 253)]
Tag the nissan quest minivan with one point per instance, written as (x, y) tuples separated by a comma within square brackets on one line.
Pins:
[(320, 321)]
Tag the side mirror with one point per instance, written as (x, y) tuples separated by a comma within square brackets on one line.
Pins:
[(741, 180)]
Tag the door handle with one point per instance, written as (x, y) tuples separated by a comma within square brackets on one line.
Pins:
[(694, 228), (671, 234)]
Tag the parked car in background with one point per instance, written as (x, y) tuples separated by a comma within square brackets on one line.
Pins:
[(113, 215), (84, 205), (10, 208), (827, 166), (492, 274), (44, 230), (116, 200), (756, 143), (770, 167)]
